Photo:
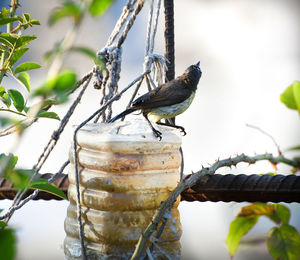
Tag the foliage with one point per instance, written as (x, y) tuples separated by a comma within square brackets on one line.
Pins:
[(291, 96), (283, 240), (17, 110), (7, 241)]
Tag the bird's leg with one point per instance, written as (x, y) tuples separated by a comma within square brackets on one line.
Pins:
[(155, 132), (175, 126)]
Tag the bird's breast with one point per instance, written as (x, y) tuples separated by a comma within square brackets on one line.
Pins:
[(159, 113)]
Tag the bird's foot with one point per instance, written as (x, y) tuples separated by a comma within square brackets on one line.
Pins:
[(182, 130), (157, 133)]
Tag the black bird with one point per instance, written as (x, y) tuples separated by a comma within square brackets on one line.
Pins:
[(167, 100)]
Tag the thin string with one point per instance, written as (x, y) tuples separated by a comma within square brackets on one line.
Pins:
[(149, 26), (122, 20), (155, 25)]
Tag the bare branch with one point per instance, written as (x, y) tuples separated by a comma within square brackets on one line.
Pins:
[(267, 134), (140, 247)]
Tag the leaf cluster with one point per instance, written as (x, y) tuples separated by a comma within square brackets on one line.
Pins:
[(291, 96), (283, 240), (55, 90)]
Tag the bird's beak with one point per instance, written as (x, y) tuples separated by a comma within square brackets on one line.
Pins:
[(198, 64)]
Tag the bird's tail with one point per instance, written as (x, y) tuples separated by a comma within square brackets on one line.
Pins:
[(124, 113)]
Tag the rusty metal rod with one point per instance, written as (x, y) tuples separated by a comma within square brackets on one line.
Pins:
[(238, 188), (169, 39), (241, 188)]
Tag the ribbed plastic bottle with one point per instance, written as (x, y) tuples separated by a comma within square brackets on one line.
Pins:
[(125, 173)]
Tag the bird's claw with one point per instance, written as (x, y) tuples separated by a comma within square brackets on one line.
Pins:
[(182, 130), (157, 134)]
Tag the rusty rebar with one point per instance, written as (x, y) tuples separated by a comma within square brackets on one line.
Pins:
[(169, 39), (241, 188), (229, 187)]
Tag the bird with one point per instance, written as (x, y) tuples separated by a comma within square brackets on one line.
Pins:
[(167, 100)]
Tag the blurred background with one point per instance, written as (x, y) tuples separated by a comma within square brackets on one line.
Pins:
[(249, 53)]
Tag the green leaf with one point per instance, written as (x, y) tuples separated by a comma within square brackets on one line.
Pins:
[(47, 114), (238, 228), (276, 212), (27, 17), (22, 41), (65, 82), (284, 243), (4, 13), (291, 96), (256, 209), (4, 48), (19, 178), (59, 85), (17, 99), (4, 97), (21, 19), (283, 213), (7, 244), (25, 26), (11, 37), (27, 66), (287, 98), (5, 41), (17, 55), (46, 89), (294, 148), (296, 91), (24, 78), (2, 224), (98, 7), (68, 9), (7, 20), (43, 185), (35, 22), (4, 121), (7, 162)]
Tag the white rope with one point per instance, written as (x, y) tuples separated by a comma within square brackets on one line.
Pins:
[(155, 25), (151, 58), (149, 25), (122, 20)]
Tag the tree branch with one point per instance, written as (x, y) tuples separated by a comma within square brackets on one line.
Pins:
[(161, 211)]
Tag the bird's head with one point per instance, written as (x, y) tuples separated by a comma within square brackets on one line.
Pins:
[(194, 71), (193, 74)]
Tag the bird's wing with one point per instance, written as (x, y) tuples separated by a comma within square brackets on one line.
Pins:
[(168, 94)]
